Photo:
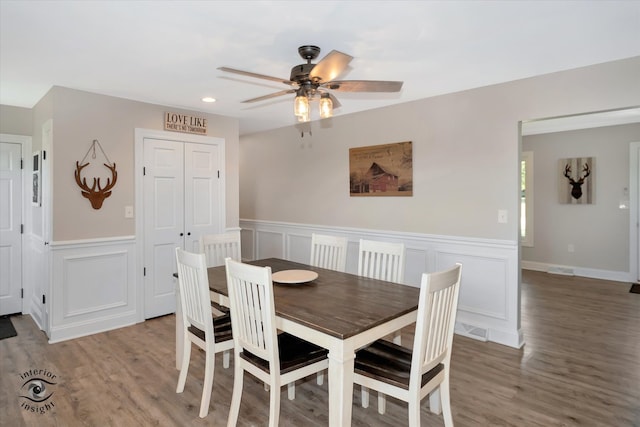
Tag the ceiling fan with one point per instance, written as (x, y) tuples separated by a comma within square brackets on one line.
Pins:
[(309, 80)]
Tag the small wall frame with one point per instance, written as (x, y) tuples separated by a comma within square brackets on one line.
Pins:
[(36, 192), (576, 180)]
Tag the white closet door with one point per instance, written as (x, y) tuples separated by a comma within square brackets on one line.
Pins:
[(202, 201), (183, 199), (10, 233), (163, 222)]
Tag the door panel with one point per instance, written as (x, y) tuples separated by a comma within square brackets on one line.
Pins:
[(10, 228), (163, 194), (202, 193)]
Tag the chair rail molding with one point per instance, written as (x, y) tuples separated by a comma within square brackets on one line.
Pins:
[(93, 287), (489, 306)]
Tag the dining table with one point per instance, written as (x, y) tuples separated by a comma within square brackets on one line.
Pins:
[(339, 311)]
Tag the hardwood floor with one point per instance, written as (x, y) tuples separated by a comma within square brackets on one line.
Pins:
[(580, 367)]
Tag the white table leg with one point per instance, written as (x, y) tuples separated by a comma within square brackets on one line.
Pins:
[(340, 387)]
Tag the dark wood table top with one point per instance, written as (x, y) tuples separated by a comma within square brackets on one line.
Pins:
[(338, 304)]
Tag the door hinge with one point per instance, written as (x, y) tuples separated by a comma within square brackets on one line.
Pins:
[(21, 228), (44, 155), (21, 163), (218, 174), (144, 170), (144, 272), (21, 292), (44, 300)]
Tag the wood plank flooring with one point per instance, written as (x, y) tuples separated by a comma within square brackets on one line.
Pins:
[(580, 367)]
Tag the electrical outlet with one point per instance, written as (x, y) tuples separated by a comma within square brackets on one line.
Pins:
[(502, 216)]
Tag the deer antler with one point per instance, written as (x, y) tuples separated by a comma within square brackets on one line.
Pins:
[(567, 171), (96, 197), (587, 170)]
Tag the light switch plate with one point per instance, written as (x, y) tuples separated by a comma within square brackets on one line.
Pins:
[(502, 216), (128, 211)]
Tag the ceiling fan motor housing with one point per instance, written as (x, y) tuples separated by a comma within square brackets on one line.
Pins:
[(300, 73)]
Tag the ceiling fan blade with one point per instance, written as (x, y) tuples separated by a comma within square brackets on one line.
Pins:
[(271, 95), (364, 86), (330, 66), (256, 75)]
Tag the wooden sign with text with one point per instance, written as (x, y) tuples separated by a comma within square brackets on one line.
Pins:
[(183, 123)]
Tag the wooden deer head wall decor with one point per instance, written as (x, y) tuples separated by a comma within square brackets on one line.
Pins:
[(96, 194), (576, 183)]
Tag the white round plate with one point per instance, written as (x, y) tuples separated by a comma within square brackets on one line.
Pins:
[(294, 276)]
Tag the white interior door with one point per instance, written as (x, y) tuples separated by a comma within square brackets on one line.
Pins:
[(182, 201), (10, 228), (163, 222), (202, 199)]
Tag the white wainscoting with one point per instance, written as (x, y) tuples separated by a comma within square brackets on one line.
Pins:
[(93, 287), (36, 280), (489, 303)]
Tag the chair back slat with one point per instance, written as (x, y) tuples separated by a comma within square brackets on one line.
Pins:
[(329, 252), (435, 321), (194, 290), (218, 247), (252, 310), (381, 260)]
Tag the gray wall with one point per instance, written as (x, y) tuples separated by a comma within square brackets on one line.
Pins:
[(16, 120), (600, 231), (79, 118), (465, 155)]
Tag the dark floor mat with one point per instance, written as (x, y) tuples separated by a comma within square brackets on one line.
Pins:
[(6, 328), (635, 288)]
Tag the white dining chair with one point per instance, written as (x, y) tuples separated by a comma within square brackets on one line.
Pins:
[(383, 261), (276, 359), (329, 252), (218, 247), (411, 374), (212, 334)]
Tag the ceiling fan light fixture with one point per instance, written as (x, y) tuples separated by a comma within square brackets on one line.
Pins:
[(301, 104), (326, 106), (304, 117)]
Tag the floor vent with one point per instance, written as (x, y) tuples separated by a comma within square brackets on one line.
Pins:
[(471, 331), (565, 271)]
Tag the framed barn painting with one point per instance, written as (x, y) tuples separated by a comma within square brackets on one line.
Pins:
[(381, 170), (576, 180)]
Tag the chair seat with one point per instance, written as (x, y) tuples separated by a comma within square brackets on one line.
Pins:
[(294, 353), (221, 329), (389, 362), (220, 308)]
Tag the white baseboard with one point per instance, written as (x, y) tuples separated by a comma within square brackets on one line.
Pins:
[(593, 273)]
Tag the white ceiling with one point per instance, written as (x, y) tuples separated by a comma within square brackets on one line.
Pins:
[(168, 52)]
